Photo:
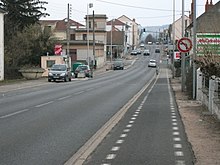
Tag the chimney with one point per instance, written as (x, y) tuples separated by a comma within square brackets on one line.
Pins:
[(191, 13), (208, 5)]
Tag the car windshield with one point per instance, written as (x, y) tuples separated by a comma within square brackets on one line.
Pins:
[(152, 61), (82, 67), (58, 68)]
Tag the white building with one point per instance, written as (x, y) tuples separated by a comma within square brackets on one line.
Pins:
[(132, 33)]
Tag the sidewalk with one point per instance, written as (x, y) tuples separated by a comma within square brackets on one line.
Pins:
[(203, 130)]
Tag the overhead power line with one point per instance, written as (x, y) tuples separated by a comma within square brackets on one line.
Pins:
[(131, 6)]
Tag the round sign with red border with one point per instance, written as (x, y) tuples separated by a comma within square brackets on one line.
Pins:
[(184, 45)]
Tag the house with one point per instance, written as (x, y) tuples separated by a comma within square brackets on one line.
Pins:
[(116, 38), (207, 29), (132, 32), (80, 43), (177, 26), (2, 12), (59, 27)]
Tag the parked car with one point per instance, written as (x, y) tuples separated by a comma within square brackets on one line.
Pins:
[(59, 72), (118, 65), (152, 63), (83, 68), (146, 52)]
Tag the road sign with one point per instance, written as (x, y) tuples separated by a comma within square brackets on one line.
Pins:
[(176, 55), (184, 45)]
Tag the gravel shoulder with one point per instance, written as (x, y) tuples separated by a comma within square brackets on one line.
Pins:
[(202, 128)]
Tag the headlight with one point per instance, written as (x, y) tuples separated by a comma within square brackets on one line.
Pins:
[(62, 74), (50, 74)]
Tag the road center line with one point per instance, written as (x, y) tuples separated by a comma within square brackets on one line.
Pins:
[(41, 105), (15, 113)]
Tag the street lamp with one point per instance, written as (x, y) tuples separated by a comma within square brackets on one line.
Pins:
[(90, 5)]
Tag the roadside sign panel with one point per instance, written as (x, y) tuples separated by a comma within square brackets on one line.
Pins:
[(177, 55), (184, 45), (208, 43)]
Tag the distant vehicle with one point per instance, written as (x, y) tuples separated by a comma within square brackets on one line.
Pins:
[(83, 68), (118, 65), (146, 52), (134, 52), (149, 43), (138, 51), (59, 72), (157, 50), (142, 45), (152, 63)]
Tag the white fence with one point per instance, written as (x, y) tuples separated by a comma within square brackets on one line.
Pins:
[(208, 92)]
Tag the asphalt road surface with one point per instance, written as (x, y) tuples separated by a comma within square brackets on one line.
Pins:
[(47, 124), (151, 132)]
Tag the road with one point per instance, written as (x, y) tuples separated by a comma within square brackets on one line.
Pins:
[(151, 132), (51, 122), (47, 124)]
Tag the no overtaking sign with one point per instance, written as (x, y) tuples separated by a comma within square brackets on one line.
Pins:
[(184, 45)]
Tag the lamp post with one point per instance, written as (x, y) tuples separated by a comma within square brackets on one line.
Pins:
[(90, 5)]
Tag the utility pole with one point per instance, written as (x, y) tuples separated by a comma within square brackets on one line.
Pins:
[(111, 40), (183, 55), (68, 35), (90, 5), (174, 42), (93, 18), (194, 49)]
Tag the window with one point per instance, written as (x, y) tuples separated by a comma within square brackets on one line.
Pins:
[(84, 36), (47, 29), (50, 63), (72, 37)]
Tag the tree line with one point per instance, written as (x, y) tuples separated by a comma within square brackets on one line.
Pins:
[(24, 40)]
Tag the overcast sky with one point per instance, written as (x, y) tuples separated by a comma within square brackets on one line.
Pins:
[(146, 12)]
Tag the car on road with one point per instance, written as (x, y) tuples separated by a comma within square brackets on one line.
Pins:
[(83, 69), (118, 64), (134, 52), (157, 50), (59, 72), (152, 63), (146, 52)]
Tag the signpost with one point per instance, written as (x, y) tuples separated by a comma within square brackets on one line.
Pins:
[(184, 45)]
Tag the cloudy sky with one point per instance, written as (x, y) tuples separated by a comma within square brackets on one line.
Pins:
[(145, 12)]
